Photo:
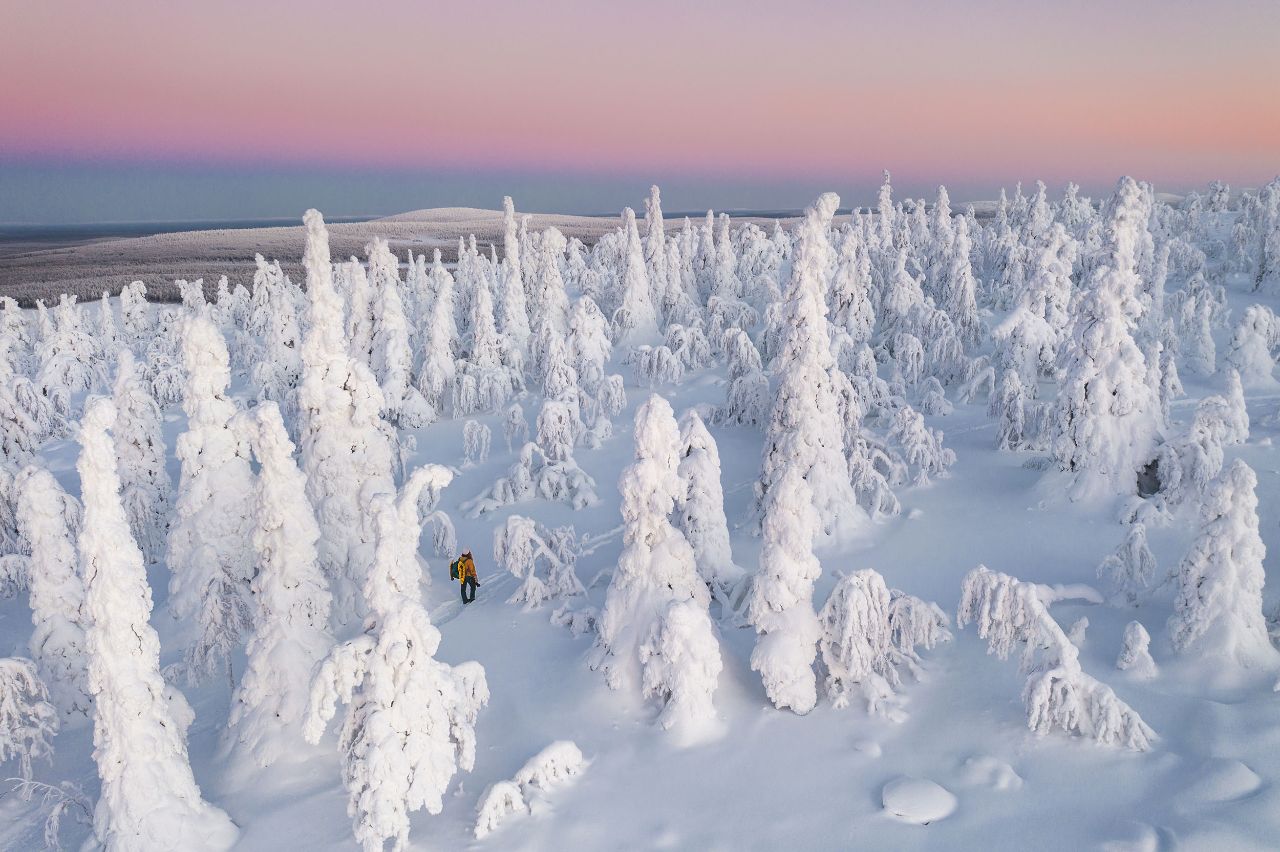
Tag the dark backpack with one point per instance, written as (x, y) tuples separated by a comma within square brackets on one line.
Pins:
[(453, 569)]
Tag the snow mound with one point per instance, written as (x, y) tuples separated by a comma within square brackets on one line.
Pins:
[(870, 748), (1137, 837), (983, 770), (917, 800), (1221, 780)]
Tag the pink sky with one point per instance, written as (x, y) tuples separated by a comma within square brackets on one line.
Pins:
[(1177, 92)]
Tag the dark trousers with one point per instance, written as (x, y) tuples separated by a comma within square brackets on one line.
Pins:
[(469, 583)]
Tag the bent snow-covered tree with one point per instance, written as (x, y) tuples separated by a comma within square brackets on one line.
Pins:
[(149, 797), (1058, 693), (410, 720), (700, 505)]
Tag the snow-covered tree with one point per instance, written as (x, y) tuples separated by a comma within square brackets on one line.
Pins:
[(475, 443), (391, 357), (868, 632), (542, 560), (145, 488), (781, 603), (1135, 655), (1218, 610), (1251, 345), (700, 505), (149, 797), (1107, 416), (514, 313), (636, 320), (804, 429), (921, 446), (291, 603), (27, 720), (655, 629), (65, 353), (346, 451), (1058, 693), (589, 346), (1131, 568), (49, 520), (209, 543), (514, 427), (409, 725)]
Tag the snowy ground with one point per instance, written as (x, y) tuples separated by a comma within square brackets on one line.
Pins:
[(774, 779)]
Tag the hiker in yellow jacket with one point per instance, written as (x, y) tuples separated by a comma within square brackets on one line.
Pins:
[(463, 569)]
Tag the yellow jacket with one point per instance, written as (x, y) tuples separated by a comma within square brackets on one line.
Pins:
[(466, 568)]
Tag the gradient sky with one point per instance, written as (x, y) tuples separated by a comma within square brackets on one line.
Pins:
[(105, 104)]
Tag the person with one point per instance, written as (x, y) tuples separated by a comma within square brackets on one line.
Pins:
[(464, 569)]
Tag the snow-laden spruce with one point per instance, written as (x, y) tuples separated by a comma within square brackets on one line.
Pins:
[(27, 720), (655, 631), (50, 520), (149, 798), (291, 603), (1107, 416), (210, 552), (781, 603), (409, 725), (392, 356), (804, 430), (346, 451), (868, 633), (1129, 570), (700, 505), (144, 482), (1218, 611), (1135, 655), (1058, 694)]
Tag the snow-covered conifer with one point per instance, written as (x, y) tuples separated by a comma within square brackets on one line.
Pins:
[(27, 720), (1135, 655), (475, 443), (514, 427), (589, 346), (149, 797), (209, 543), (346, 452), (1131, 568), (654, 628), (635, 321), (291, 604), (1107, 416), (1218, 610), (867, 633), (49, 521), (921, 446), (514, 313), (145, 489), (1058, 693), (409, 725), (700, 504), (804, 430), (781, 603), (1251, 346)]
